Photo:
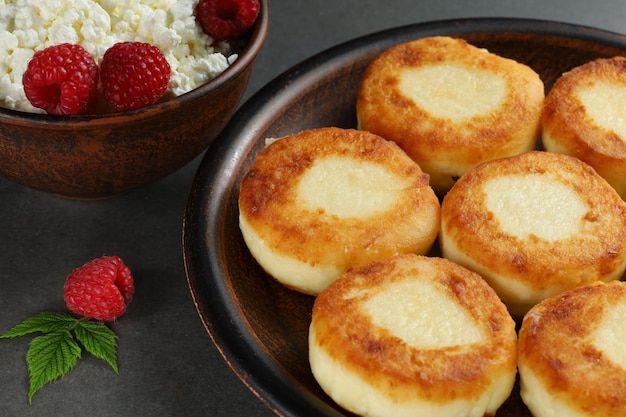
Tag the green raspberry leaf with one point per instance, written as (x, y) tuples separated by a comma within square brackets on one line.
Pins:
[(56, 352), (43, 322), (49, 357), (98, 340)]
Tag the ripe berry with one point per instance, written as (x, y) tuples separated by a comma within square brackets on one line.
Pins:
[(227, 20), (133, 75), (61, 79), (101, 289)]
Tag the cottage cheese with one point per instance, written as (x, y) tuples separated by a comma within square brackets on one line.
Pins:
[(27, 26)]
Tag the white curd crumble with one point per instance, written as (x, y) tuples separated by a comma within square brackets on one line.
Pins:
[(27, 26)]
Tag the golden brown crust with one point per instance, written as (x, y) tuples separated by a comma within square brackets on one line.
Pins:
[(442, 147), (270, 203), (569, 128), (401, 371), (556, 343), (472, 235)]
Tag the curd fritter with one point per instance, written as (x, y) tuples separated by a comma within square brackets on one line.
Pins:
[(413, 336), (450, 105), (585, 116), (534, 225), (320, 202), (572, 356)]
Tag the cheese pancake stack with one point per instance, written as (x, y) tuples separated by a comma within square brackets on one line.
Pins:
[(450, 105), (585, 116), (534, 225), (413, 336), (572, 356), (322, 201)]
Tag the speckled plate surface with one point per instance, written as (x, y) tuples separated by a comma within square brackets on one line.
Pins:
[(259, 326)]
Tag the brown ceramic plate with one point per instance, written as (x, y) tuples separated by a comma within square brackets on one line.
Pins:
[(260, 327)]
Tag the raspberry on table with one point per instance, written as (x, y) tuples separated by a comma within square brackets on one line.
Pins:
[(61, 79), (227, 20), (133, 75), (101, 289)]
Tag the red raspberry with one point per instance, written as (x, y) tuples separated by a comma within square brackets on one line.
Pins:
[(101, 289), (227, 20), (61, 79), (133, 75)]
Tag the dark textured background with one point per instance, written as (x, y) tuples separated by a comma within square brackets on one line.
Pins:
[(168, 364)]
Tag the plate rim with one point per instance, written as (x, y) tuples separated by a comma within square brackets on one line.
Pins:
[(227, 329)]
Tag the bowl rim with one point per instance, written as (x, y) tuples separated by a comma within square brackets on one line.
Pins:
[(246, 57), (230, 332)]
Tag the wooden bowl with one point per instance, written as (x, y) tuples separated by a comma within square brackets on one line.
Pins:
[(260, 327), (100, 156)]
